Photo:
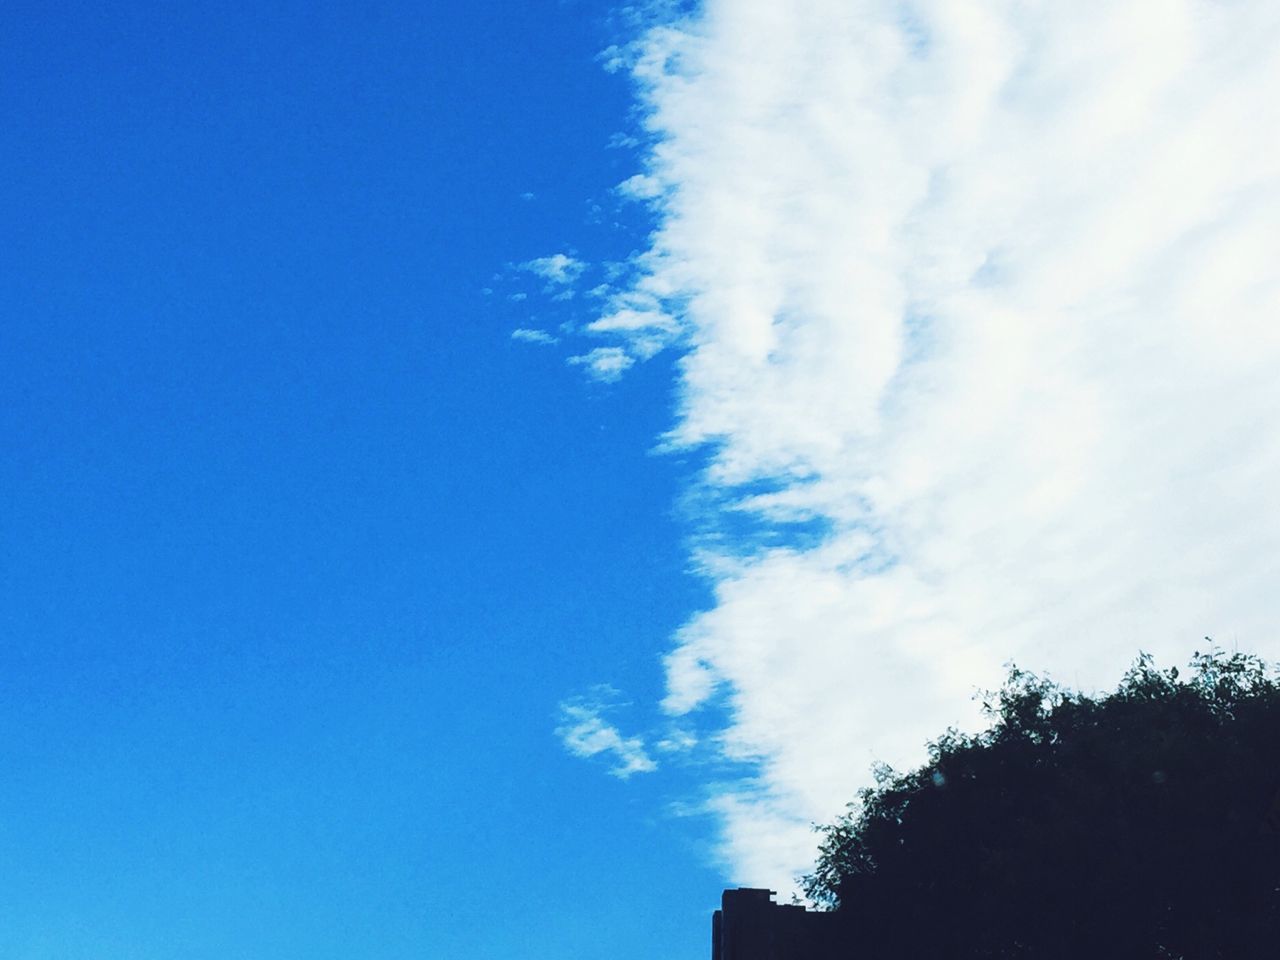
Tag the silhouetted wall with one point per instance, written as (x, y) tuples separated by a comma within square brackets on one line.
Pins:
[(750, 926)]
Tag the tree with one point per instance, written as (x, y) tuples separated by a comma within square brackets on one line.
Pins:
[(1141, 824)]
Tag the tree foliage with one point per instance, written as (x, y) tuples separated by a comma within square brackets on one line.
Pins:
[(1140, 824)]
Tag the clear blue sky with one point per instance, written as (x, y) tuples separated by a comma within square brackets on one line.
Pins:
[(299, 551)]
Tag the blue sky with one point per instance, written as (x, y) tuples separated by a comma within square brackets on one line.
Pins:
[(299, 550), (476, 480)]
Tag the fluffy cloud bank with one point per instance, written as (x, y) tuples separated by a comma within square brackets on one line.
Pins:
[(986, 293)]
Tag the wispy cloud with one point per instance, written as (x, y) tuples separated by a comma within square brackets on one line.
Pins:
[(641, 187), (559, 268), (528, 335), (586, 733), (987, 292), (647, 327), (606, 364)]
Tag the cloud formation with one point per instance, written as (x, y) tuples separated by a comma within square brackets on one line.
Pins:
[(530, 335), (606, 364), (586, 733), (559, 268), (985, 295)]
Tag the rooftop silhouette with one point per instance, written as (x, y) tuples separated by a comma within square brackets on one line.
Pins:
[(750, 926)]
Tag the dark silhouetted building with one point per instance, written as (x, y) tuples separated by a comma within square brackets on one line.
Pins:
[(750, 926)]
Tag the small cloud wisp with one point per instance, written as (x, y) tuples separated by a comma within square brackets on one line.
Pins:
[(586, 733)]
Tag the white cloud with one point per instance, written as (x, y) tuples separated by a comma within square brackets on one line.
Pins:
[(678, 740), (989, 291), (647, 329), (586, 733), (559, 268), (528, 335), (641, 187), (606, 364)]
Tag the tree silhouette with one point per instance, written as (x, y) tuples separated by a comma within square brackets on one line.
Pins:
[(1141, 824)]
